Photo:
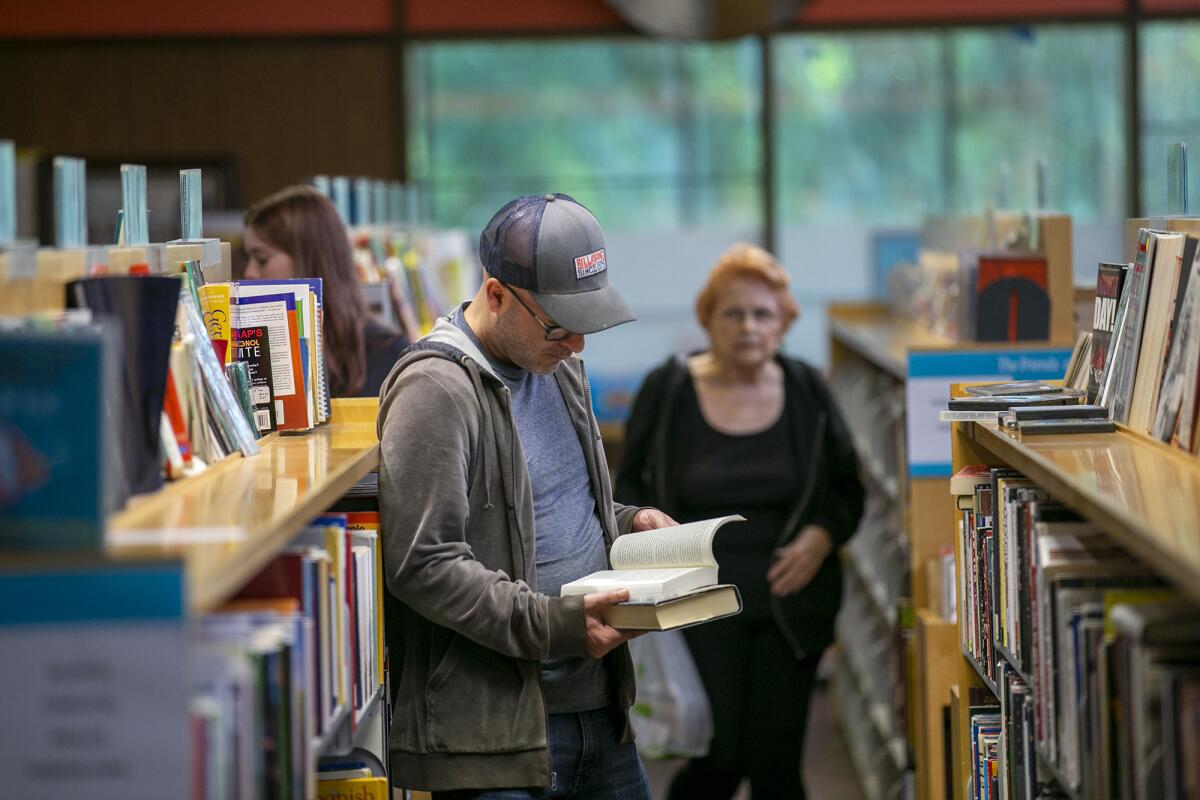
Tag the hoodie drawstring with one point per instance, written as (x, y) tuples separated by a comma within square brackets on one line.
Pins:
[(485, 435)]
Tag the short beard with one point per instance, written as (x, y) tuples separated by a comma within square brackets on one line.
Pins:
[(518, 350)]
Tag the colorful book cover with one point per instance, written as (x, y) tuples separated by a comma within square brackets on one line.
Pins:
[(54, 455), (254, 347), (277, 313), (214, 308), (301, 290), (320, 382), (1012, 301)]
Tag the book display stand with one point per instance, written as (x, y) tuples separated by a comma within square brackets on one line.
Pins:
[(888, 373)]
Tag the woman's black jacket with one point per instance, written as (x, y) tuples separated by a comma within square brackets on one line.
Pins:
[(830, 494)]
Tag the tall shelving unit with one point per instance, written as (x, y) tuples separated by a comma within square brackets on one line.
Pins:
[(897, 652)]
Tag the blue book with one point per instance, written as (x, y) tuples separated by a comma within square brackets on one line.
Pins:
[(56, 448)]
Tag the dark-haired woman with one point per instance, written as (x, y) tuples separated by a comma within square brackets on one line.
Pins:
[(297, 233)]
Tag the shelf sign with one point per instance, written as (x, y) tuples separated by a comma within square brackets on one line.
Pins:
[(930, 374), (94, 668)]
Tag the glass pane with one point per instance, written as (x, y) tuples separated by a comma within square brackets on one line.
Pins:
[(659, 139), (647, 134), (1048, 92), (1170, 106), (858, 133)]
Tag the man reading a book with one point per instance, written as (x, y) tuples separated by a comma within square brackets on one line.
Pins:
[(494, 492)]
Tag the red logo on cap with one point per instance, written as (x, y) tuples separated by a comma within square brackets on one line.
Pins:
[(592, 263)]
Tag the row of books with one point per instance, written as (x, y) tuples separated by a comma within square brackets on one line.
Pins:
[(1145, 347), (1093, 662), (276, 327), (294, 657), (424, 273)]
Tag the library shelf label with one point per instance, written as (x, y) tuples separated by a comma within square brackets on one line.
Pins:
[(95, 660), (930, 374)]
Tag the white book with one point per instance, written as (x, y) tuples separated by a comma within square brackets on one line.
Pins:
[(1160, 306), (658, 565)]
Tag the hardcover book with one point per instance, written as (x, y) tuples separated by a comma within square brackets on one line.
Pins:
[(1012, 301), (1110, 279), (659, 564), (1160, 305)]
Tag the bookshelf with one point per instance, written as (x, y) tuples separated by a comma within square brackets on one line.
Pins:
[(891, 618), (1144, 495), (206, 536), (865, 339)]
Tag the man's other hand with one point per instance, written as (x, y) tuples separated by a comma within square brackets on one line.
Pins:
[(602, 637), (649, 519)]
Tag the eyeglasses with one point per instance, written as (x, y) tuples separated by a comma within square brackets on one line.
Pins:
[(554, 333), (736, 316)]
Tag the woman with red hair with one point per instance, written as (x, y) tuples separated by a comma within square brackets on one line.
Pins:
[(297, 233), (741, 429)]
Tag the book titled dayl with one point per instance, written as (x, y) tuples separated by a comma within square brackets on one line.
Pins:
[(671, 575)]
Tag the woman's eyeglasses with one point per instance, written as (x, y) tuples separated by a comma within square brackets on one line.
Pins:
[(736, 316), (554, 333)]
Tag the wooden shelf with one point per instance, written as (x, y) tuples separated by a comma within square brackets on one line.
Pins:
[(228, 522), (1142, 493), (1012, 664), (988, 682), (881, 339)]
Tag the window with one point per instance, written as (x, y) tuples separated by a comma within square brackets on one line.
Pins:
[(887, 128), (1170, 105), (649, 135)]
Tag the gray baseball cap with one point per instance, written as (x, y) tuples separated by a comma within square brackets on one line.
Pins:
[(553, 247)]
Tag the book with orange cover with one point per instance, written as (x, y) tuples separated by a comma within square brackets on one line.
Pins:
[(277, 313)]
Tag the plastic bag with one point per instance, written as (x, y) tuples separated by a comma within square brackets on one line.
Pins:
[(671, 716)]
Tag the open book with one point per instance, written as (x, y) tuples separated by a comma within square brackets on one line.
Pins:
[(671, 575)]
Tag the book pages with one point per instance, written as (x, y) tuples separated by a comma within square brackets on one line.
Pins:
[(687, 545)]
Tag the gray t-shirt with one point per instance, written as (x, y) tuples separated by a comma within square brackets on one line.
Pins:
[(568, 539)]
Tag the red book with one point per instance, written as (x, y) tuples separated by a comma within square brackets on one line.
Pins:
[(174, 411), (283, 577)]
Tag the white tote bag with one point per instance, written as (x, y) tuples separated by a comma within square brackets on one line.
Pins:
[(671, 716)]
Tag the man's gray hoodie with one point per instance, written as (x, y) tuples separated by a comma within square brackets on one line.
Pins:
[(469, 634)]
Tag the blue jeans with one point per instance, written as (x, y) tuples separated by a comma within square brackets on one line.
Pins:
[(587, 762)]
